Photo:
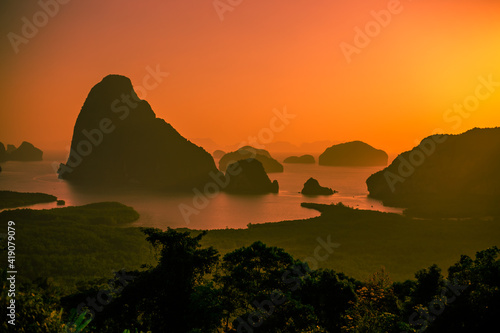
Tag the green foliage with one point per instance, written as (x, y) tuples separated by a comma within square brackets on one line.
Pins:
[(265, 288), (477, 306), (376, 308), (368, 240), (429, 283), (289, 317), (77, 243), (250, 272), (330, 294), (37, 307), (78, 322), (163, 298), (186, 288), (10, 199)]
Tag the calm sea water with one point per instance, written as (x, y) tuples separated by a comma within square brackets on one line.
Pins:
[(162, 210)]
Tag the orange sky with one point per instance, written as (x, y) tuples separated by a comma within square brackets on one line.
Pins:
[(226, 77)]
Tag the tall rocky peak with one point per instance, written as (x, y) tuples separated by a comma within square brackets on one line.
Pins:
[(117, 139)]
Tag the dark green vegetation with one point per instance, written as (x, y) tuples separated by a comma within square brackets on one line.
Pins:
[(444, 176), (10, 199), (25, 152), (264, 289), (130, 145), (76, 243), (246, 152), (304, 159), (276, 277), (355, 153), (368, 239), (249, 177)]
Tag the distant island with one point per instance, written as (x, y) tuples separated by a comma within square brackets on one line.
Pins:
[(312, 187), (26, 152), (118, 139), (10, 148), (304, 159), (249, 177), (445, 175), (287, 147), (355, 153), (11, 199), (76, 243), (218, 153), (263, 156), (3, 153)]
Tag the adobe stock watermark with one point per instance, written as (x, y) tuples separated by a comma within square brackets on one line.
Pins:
[(456, 114), (424, 316), (223, 6), (373, 28), (292, 277), (121, 107), (31, 27), (471, 103), (201, 199), (415, 159)]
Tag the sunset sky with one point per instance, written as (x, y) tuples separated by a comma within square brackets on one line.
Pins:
[(226, 76)]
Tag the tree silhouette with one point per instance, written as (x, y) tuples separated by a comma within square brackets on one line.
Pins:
[(167, 298)]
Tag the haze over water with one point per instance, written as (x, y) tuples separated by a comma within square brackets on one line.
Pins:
[(161, 210)]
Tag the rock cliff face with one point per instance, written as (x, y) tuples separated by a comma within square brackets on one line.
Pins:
[(450, 172), (117, 139), (304, 159), (269, 163), (312, 187), (355, 153), (249, 177)]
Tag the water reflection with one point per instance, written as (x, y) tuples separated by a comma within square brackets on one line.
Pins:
[(162, 209)]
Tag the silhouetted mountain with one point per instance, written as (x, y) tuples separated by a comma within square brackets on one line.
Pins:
[(269, 163), (304, 159), (117, 139), (218, 154), (10, 148), (249, 177), (312, 187), (282, 146), (355, 153), (26, 152), (3, 153), (206, 143), (450, 175), (307, 147)]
